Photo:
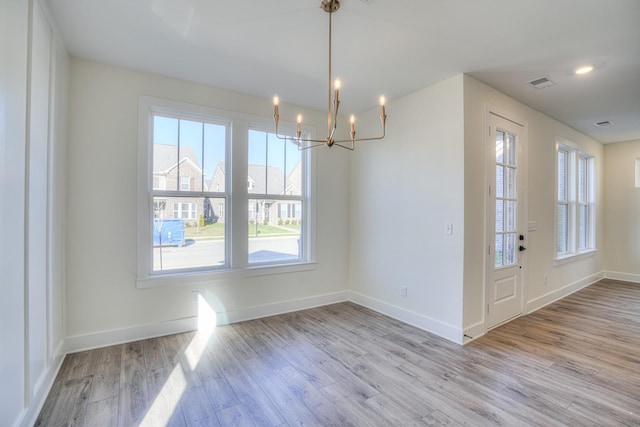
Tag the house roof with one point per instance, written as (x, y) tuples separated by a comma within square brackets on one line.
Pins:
[(165, 157), (269, 179)]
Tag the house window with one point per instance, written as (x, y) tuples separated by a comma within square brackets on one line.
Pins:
[(185, 183), (185, 210), (575, 206), (276, 172), (182, 218)]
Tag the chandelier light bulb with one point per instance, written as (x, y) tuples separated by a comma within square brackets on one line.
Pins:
[(383, 100), (276, 100), (353, 119), (337, 84), (299, 118)]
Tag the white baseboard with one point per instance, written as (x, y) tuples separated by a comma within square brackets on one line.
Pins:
[(474, 332), (554, 296), (625, 277), (256, 312), (420, 321), (30, 415), (135, 333), (78, 343)]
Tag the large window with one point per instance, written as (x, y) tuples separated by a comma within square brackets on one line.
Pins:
[(201, 213), (575, 206)]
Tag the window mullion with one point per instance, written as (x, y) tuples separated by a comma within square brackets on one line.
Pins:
[(239, 194)]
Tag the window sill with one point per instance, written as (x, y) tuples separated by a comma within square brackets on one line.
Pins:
[(565, 259), (195, 277)]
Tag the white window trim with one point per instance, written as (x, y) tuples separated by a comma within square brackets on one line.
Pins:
[(574, 253), (237, 253)]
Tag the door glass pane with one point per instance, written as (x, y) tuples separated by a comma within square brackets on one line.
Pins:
[(510, 151), (510, 215), (509, 257), (506, 200), (500, 180), (510, 182), (499, 146)]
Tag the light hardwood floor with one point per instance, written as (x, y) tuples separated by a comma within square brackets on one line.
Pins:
[(575, 362)]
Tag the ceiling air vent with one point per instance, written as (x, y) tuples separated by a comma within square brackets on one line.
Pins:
[(604, 123), (542, 82)]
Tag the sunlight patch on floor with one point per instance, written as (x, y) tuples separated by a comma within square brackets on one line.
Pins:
[(166, 401)]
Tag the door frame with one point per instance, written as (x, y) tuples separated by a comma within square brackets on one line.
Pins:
[(523, 216)]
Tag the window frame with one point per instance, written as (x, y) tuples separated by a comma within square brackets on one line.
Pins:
[(574, 200), (236, 212), (278, 198)]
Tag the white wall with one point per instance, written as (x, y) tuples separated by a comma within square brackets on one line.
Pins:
[(622, 211), (403, 191), (543, 131), (103, 303), (32, 191), (13, 90)]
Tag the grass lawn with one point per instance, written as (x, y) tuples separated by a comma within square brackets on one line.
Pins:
[(216, 231)]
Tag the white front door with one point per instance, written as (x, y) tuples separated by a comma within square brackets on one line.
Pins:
[(506, 243)]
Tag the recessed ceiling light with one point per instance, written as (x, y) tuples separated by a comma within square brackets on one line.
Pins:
[(603, 123), (584, 69)]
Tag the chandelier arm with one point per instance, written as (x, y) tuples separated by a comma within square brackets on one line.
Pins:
[(374, 138), (358, 139), (296, 140), (352, 148), (302, 147)]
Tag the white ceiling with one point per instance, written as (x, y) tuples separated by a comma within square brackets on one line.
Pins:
[(393, 47)]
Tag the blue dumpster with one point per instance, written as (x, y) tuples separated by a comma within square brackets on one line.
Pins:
[(168, 232)]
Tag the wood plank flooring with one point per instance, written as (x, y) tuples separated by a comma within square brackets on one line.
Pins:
[(575, 362)]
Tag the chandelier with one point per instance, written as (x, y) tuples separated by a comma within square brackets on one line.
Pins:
[(329, 6)]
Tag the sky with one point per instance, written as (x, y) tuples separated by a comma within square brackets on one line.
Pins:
[(264, 148)]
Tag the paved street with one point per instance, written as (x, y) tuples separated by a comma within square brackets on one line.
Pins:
[(211, 252)]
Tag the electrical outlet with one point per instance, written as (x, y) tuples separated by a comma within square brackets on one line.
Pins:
[(403, 291), (448, 229), (546, 280), (194, 296)]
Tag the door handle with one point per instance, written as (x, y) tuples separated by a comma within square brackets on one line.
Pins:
[(522, 248)]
